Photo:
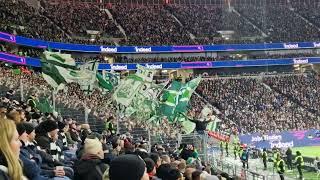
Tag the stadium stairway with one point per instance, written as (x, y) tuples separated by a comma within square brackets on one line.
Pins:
[(293, 100), (68, 34), (305, 19), (246, 19), (192, 36), (115, 22)]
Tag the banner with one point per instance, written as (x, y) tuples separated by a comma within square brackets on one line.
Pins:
[(175, 65), (283, 140), (154, 49)]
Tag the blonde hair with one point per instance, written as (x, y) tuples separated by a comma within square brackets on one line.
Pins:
[(8, 129), (15, 116), (92, 146)]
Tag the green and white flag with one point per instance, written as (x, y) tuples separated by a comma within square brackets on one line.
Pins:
[(59, 69), (108, 80), (170, 100), (185, 94), (175, 100), (127, 89), (131, 86)]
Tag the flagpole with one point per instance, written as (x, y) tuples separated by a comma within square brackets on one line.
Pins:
[(118, 119), (21, 89), (54, 99), (86, 114)]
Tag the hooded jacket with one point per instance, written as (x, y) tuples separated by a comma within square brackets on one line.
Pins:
[(90, 167)]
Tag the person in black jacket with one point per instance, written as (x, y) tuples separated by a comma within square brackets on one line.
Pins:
[(201, 124), (31, 165), (90, 166), (289, 158)]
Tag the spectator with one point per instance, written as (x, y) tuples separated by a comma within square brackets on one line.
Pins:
[(128, 167), (90, 165), (9, 151)]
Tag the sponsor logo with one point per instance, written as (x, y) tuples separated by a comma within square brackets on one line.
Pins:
[(316, 44), (300, 61), (282, 144), (142, 50), (154, 66), (291, 46), (119, 67), (108, 49), (266, 138)]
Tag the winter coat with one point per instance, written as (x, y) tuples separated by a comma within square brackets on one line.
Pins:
[(90, 167), (31, 166)]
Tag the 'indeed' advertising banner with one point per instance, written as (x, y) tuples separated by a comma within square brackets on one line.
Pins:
[(283, 140), (175, 65), (153, 49)]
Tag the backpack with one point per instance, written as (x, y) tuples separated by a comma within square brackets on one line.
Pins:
[(244, 156)]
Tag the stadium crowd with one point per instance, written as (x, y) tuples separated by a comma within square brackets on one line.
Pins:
[(273, 101), (161, 24), (51, 146), (270, 104)]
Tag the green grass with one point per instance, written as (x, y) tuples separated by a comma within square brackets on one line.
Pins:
[(309, 151), (306, 174)]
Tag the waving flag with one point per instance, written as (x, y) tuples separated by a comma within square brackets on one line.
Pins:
[(59, 69)]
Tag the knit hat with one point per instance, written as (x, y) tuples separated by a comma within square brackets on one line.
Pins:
[(61, 125), (20, 128), (149, 164), (127, 167), (29, 127), (49, 125), (92, 146)]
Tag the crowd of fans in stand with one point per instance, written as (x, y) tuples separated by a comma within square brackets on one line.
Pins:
[(286, 102), (272, 101), (161, 25), (50, 147), (290, 26), (72, 98), (53, 147)]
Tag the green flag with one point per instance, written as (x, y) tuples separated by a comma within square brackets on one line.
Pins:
[(169, 100), (127, 89), (59, 69), (16, 71), (185, 94), (176, 98), (44, 106)]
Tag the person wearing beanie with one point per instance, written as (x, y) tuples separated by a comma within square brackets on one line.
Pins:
[(163, 171), (47, 140), (151, 167), (62, 138), (128, 167), (90, 166), (31, 165)]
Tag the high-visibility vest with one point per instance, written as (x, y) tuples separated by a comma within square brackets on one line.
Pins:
[(235, 148), (302, 162), (278, 166), (275, 155), (31, 102)]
